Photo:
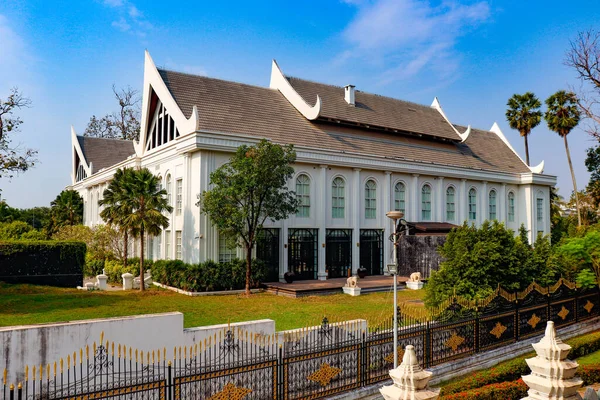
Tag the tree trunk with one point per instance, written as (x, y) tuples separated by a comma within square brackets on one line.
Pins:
[(142, 260), (526, 150), (248, 268), (125, 248), (574, 181)]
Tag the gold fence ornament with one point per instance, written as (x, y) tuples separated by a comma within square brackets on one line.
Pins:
[(61, 365), (533, 321), (54, 368), (454, 341), (324, 375), (4, 374), (20, 386), (41, 372), (498, 330), (588, 306), (563, 313), (231, 392), (48, 371), (101, 337), (12, 387), (80, 356), (68, 361), (26, 373), (33, 375)]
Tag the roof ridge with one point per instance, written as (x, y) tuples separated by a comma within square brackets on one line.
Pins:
[(213, 78), (361, 91), (105, 138)]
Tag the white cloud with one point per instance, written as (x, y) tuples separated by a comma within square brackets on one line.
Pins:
[(121, 25), (131, 19), (411, 35)]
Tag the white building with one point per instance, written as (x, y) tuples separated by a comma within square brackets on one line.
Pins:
[(358, 156)]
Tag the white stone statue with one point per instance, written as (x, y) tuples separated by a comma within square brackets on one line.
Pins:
[(410, 380), (351, 287), (415, 277), (552, 375)]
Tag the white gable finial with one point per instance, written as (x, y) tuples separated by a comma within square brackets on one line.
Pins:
[(496, 129), (438, 106), (279, 82)]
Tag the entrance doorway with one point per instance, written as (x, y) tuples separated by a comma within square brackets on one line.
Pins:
[(267, 250), (371, 251), (338, 252), (303, 253)]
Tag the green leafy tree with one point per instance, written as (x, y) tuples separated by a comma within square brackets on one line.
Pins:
[(523, 114), (477, 260), (115, 208), (14, 230), (582, 252), (148, 204), (562, 116), (592, 162), (247, 190), (13, 158), (67, 209)]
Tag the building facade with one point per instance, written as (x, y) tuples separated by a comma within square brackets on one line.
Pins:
[(359, 155)]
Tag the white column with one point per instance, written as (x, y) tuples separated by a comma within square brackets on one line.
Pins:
[(440, 206), (387, 206), (283, 264), (356, 215), (484, 204), (321, 195), (414, 206), (463, 202)]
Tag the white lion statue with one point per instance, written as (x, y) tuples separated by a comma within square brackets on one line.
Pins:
[(415, 277), (352, 282)]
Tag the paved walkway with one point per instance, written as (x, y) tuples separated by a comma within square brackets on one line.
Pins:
[(375, 283)]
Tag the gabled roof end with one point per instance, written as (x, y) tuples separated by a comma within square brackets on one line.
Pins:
[(280, 82)]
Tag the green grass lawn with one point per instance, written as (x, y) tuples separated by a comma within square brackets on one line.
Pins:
[(25, 304), (590, 359)]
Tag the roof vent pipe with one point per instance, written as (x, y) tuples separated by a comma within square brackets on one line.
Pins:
[(349, 94)]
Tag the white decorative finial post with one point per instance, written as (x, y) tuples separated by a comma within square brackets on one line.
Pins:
[(552, 375), (410, 380)]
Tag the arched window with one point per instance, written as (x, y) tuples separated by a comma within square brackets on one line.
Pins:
[(426, 203), (492, 205), (511, 207), (338, 199), (81, 174), (450, 204), (472, 204), (540, 209), (400, 197), (169, 190), (303, 195), (370, 199)]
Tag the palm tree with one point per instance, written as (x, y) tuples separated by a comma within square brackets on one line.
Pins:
[(147, 204), (67, 208), (114, 211), (523, 114), (562, 116)]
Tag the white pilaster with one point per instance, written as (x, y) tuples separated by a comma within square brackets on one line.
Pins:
[(188, 243), (463, 202), (440, 207), (387, 206), (414, 206), (484, 214), (501, 203), (321, 219), (356, 214)]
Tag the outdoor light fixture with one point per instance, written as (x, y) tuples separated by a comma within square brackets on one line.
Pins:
[(393, 270)]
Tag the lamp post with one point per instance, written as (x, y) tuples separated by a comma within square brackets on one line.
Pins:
[(393, 270)]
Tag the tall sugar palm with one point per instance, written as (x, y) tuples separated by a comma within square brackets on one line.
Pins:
[(562, 116), (523, 114), (147, 204), (67, 208), (114, 211)]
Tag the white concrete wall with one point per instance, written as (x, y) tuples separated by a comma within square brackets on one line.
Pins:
[(45, 344)]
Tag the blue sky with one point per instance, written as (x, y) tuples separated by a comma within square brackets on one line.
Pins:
[(473, 55)]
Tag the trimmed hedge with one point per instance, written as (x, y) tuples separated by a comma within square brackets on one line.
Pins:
[(589, 373), (495, 391), (51, 263), (207, 276), (512, 370)]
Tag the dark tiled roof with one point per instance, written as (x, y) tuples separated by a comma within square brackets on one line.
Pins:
[(104, 153), (231, 107), (374, 110)]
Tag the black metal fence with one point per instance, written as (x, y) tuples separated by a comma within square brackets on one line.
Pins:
[(309, 363)]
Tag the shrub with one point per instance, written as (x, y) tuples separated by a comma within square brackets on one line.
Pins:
[(42, 262), (14, 230), (513, 369), (92, 266), (590, 374), (114, 270), (586, 279), (33, 235), (496, 391), (207, 276)]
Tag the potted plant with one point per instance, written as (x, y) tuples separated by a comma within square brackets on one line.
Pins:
[(362, 272), (289, 276)]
